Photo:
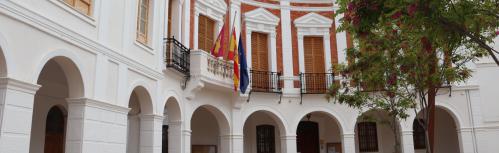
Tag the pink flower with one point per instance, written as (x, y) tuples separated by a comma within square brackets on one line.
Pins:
[(411, 9), (497, 33), (397, 15)]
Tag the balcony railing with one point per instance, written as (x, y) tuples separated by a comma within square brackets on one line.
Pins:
[(265, 81), (315, 83), (211, 70), (177, 56)]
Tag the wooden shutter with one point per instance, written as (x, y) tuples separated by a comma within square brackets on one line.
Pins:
[(259, 51), (83, 6), (368, 136), (142, 21), (206, 33), (170, 7), (314, 55)]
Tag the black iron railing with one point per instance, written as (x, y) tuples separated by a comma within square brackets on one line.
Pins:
[(265, 81), (315, 83), (177, 56)]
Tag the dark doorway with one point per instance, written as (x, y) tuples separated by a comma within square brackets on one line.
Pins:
[(307, 137), (165, 139), (55, 131)]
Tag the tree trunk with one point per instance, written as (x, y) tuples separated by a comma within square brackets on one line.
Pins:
[(431, 118)]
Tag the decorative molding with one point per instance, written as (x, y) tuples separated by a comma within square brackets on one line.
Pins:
[(13, 84), (97, 104), (90, 20), (292, 8), (38, 21), (313, 20), (214, 9), (261, 16)]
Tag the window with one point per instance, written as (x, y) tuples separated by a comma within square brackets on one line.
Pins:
[(170, 7), (143, 21), (259, 51), (83, 6), (368, 137), (314, 54), (265, 139), (419, 135), (206, 33)]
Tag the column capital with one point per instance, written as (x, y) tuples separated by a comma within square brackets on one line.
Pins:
[(288, 137), (407, 132), (152, 117), (13, 84), (348, 135), (97, 104)]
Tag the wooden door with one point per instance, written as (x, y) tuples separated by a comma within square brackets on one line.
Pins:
[(308, 137), (259, 61), (55, 131), (315, 79)]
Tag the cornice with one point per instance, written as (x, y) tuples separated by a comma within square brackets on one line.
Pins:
[(35, 20), (9, 83), (292, 8)]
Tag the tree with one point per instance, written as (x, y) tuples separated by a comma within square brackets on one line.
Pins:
[(407, 50)]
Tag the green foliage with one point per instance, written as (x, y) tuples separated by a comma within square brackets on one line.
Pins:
[(404, 48)]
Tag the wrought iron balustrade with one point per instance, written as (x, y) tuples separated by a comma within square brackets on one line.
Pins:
[(177, 56), (315, 83), (265, 81)]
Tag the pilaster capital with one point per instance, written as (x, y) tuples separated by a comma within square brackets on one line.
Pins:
[(86, 102), (288, 137), (13, 84), (152, 117), (348, 135)]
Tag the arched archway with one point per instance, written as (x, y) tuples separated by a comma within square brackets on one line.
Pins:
[(262, 132), (140, 104), (210, 130), (60, 79), (319, 132), (374, 132), (446, 132), (172, 127)]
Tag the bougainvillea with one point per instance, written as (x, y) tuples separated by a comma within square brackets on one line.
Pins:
[(408, 50)]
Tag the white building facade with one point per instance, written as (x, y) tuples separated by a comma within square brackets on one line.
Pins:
[(136, 76)]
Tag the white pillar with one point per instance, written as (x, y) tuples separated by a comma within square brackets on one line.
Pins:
[(301, 54), (273, 52), (348, 143), (327, 52), (151, 133), (196, 29), (175, 137), (237, 143), (225, 144), (16, 111), (287, 51), (187, 140), (248, 48), (466, 144), (288, 144), (186, 20), (341, 41), (407, 141), (93, 125)]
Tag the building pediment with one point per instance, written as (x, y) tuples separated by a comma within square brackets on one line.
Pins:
[(313, 20), (261, 16), (216, 5)]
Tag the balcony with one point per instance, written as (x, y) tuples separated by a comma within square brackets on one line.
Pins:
[(177, 56), (265, 81), (206, 70), (315, 83)]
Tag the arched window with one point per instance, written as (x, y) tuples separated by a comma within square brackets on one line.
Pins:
[(265, 139), (55, 131)]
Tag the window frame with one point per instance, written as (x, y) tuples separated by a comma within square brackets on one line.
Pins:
[(368, 140), (143, 38), (262, 145)]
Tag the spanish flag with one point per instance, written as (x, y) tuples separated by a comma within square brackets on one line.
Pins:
[(234, 57), (218, 49)]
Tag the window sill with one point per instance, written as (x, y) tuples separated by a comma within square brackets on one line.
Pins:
[(88, 19), (144, 47)]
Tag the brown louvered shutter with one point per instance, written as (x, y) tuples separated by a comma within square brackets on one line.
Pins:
[(314, 65), (206, 33), (259, 61), (84, 6), (170, 7)]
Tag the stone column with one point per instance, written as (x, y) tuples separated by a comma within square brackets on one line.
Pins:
[(175, 137), (16, 112), (341, 41), (288, 144), (237, 143), (348, 141), (186, 134), (287, 51), (93, 125), (151, 133), (225, 144), (407, 141)]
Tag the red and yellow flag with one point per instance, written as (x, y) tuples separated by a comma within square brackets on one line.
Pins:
[(218, 49), (234, 57)]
